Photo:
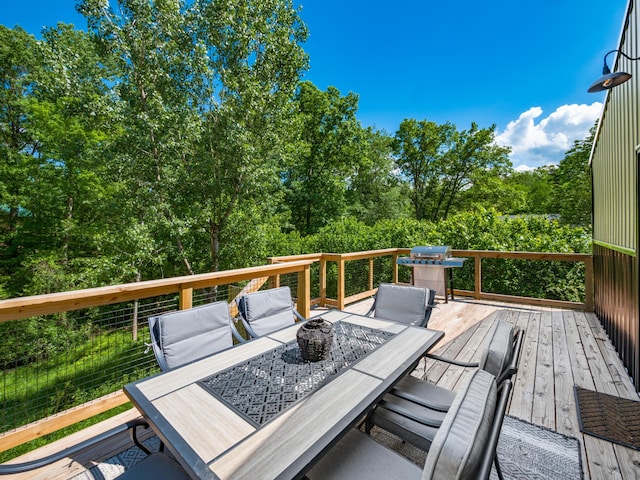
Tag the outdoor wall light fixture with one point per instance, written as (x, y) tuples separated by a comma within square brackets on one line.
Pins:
[(608, 79)]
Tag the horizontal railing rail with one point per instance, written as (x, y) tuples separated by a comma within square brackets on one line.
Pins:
[(24, 307)]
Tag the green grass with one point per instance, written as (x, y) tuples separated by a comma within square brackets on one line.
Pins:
[(101, 365)]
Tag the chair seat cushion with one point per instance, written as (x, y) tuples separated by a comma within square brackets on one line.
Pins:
[(424, 393), (407, 429), (358, 456), (156, 466)]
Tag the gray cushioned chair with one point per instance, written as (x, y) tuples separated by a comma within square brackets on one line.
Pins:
[(265, 311), (403, 303), (463, 448), (184, 336), (415, 408), (157, 465)]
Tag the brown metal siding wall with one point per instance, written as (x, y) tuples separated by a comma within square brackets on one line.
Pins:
[(616, 303)]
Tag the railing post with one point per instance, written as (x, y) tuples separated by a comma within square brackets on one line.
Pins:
[(186, 298), (394, 268), (323, 282), (588, 285), (478, 277), (304, 292), (341, 283), (371, 274)]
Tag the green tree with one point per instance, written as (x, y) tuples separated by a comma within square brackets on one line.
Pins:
[(327, 152), (204, 86), (572, 184), (441, 163), (69, 118), (19, 68), (420, 148), (474, 160), (537, 187), (374, 192), (495, 191)]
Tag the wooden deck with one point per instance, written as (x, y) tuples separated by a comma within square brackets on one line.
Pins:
[(562, 348)]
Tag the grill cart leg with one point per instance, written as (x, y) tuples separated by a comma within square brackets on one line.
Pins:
[(450, 285)]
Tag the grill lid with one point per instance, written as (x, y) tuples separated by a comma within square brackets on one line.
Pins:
[(430, 251)]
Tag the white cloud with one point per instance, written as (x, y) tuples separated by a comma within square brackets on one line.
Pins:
[(536, 144)]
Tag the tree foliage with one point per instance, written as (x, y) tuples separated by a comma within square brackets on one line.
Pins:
[(176, 137), (572, 183), (327, 154), (442, 163), (203, 86)]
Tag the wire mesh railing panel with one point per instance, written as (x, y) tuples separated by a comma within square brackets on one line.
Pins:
[(54, 362), (356, 277), (382, 270), (535, 279), (360, 275), (545, 279)]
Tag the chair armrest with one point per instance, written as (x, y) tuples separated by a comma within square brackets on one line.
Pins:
[(372, 309), (452, 361), (248, 328), (512, 369), (235, 333), (7, 469), (298, 315)]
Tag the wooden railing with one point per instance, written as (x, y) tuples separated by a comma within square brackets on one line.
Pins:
[(341, 259), (27, 307), (479, 255)]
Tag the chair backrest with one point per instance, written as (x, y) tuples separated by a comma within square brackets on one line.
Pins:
[(403, 303), (265, 311), (500, 356), (464, 441), (181, 337)]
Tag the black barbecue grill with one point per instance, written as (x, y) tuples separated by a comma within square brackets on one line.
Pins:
[(429, 264)]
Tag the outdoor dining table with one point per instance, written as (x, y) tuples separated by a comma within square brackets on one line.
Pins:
[(258, 410)]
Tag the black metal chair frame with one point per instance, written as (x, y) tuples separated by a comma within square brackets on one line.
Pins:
[(131, 426)]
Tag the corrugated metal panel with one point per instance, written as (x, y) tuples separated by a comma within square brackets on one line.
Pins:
[(613, 161)]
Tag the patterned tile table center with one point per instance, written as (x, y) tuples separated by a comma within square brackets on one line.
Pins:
[(265, 385)]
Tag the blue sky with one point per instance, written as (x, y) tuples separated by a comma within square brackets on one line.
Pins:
[(524, 66)]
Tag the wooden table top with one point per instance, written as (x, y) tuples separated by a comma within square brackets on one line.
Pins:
[(213, 440)]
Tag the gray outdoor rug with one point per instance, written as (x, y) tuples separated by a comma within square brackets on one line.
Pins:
[(110, 468), (525, 451)]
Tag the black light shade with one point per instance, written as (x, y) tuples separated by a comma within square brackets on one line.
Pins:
[(608, 79)]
